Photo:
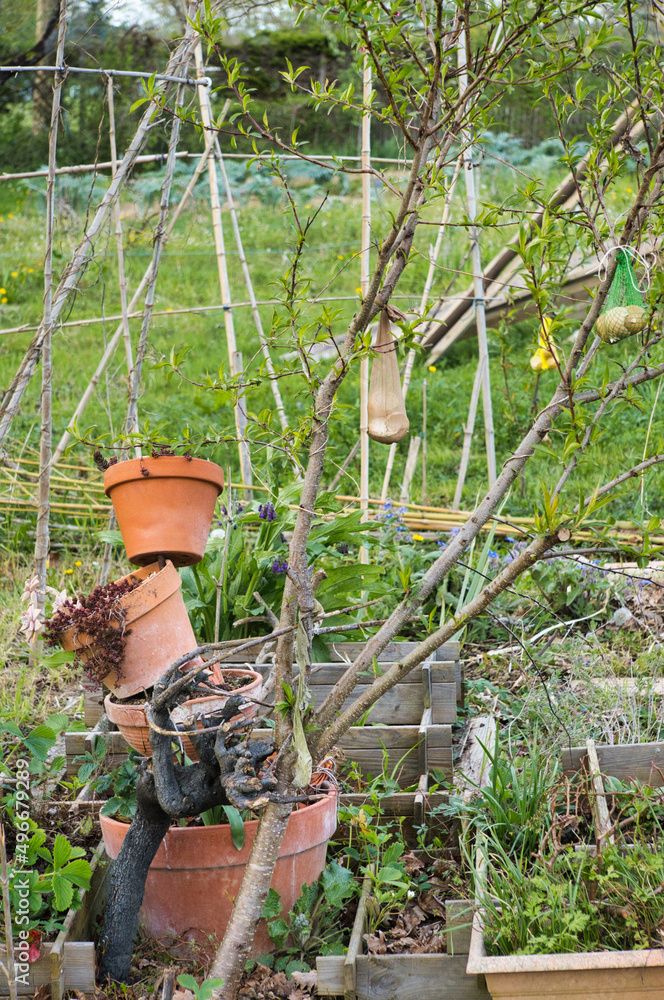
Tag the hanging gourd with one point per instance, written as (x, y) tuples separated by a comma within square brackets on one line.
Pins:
[(545, 356), (623, 314), (387, 412)]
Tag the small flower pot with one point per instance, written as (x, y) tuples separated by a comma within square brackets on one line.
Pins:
[(132, 723), (196, 873), (158, 627), (164, 506)]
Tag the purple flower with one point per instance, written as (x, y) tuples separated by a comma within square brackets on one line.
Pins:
[(342, 548), (440, 543), (223, 510), (266, 511), (279, 566)]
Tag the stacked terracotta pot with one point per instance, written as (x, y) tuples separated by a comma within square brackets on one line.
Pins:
[(164, 507)]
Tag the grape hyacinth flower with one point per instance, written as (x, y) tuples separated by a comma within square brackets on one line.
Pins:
[(266, 511)]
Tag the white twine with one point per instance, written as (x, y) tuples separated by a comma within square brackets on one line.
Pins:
[(637, 256)]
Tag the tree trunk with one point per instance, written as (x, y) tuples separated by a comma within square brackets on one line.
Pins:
[(126, 890), (236, 946)]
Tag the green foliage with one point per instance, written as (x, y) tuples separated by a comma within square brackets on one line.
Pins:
[(315, 924), (251, 557), (514, 805), (205, 990), (51, 881)]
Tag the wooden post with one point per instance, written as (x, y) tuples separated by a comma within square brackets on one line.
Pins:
[(364, 284), (423, 304), (424, 441), (241, 423), (42, 536), (478, 286)]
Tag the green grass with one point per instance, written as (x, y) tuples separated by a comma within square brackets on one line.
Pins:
[(188, 276)]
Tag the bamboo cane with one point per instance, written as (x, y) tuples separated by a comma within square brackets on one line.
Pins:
[(131, 424), (480, 310), (424, 441), (93, 168), (122, 278), (423, 304), (42, 534), (10, 968), (115, 339), (365, 261), (222, 268), (215, 307), (85, 249), (248, 282)]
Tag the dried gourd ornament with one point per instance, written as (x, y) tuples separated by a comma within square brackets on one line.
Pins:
[(623, 314), (387, 412)]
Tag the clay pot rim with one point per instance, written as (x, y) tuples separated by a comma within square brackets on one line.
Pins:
[(148, 576), (163, 467), (255, 682), (257, 678), (180, 831)]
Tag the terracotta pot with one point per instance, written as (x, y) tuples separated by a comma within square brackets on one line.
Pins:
[(159, 631), (197, 872), (164, 506), (132, 723)]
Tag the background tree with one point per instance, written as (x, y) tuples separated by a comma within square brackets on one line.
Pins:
[(509, 48)]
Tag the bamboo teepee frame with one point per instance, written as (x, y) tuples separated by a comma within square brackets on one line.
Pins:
[(42, 538), (176, 74)]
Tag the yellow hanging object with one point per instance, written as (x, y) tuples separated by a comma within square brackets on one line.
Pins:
[(545, 356), (387, 412)]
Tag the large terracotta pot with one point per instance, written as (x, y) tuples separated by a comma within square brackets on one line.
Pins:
[(197, 872), (132, 723), (164, 506), (159, 631)]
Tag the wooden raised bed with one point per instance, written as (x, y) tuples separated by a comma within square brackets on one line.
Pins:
[(69, 962), (601, 975), (409, 730), (643, 762), (359, 976)]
